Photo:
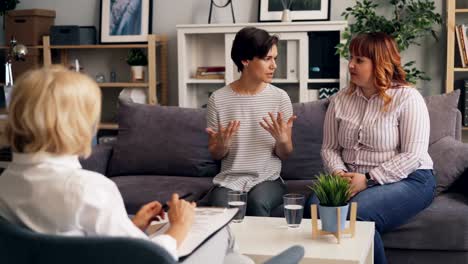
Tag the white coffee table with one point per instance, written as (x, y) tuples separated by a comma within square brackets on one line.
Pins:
[(263, 237)]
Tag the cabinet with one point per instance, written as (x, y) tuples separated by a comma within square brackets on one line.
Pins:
[(210, 45), (157, 66), (455, 73)]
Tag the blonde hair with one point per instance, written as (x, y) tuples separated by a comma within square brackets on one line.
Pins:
[(53, 110), (382, 50)]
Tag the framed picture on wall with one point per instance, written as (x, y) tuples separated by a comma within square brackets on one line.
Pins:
[(125, 21), (301, 10)]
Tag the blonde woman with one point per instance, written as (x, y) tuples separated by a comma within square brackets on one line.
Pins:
[(52, 118)]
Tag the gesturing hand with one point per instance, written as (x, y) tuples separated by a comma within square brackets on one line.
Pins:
[(279, 130), (356, 180), (220, 141), (148, 213)]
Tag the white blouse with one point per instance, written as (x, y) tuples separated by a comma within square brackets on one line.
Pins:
[(360, 137), (54, 195)]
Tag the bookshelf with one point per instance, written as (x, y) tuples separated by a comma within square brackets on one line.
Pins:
[(210, 45), (455, 73), (157, 67)]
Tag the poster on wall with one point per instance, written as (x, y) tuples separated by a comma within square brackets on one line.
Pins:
[(125, 21), (301, 10)]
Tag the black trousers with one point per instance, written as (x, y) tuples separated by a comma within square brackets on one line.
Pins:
[(261, 199)]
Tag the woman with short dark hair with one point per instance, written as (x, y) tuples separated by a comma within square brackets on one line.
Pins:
[(249, 126)]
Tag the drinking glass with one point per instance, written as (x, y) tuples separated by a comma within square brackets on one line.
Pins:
[(238, 199), (293, 209)]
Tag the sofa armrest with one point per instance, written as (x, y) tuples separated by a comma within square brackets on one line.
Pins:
[(99, 159)]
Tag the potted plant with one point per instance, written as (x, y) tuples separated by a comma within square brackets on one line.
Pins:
[(410, 21), (137, 60), (333, 192)]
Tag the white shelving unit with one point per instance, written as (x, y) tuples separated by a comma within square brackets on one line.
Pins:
[(210, 45)]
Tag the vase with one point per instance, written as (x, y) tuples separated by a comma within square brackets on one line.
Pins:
[(328, 216), (134, 95), (286, 16), (138, 73)]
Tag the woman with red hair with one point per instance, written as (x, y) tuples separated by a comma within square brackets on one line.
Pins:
[(376, 135)]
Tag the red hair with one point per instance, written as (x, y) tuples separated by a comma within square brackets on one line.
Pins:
[(382, 50)]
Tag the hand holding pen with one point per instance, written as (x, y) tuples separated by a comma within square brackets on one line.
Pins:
[(165, 207)]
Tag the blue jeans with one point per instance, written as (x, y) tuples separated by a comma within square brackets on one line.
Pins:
[(391, 205)]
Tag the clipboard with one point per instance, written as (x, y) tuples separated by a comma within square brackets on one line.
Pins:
[(207, 223)]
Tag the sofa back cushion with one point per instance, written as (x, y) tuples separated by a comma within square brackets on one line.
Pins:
[(305, 161), (161, 140), (444, 116)]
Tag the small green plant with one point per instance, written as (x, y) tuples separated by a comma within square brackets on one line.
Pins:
[(331, 190), (136, 57)]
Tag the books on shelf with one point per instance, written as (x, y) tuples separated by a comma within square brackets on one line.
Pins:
[(212, 72), (462, 42), (464, 103)]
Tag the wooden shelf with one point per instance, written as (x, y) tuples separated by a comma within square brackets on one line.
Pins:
[(123, 84), (111, 126), (461, 10), (103, 46), (29, 47), (323, 80), (460, 69), (465, 128), (193, 80)]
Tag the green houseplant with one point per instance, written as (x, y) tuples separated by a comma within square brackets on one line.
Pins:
[(410, 20), (333, 193), (137, 60)]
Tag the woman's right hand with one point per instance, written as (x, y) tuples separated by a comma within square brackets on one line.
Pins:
[(181, 216), (220, 141)]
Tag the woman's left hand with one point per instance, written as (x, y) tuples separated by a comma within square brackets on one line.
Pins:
[(357, 181), (148, 213), (279, 130)]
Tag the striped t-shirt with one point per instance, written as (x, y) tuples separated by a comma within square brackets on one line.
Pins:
[(251, 158), (360, 137)]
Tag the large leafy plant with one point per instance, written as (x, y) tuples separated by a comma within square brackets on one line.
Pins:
[(410, 21), (331, 190)]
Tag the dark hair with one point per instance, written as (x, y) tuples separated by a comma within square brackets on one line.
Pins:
[(251, 42)]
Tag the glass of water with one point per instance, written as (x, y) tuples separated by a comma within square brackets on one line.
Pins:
[(238, 199), (293, 209)]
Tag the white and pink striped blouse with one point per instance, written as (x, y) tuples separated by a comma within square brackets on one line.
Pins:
[(360, 137)]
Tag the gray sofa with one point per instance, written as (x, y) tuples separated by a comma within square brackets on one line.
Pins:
[(161, 150)]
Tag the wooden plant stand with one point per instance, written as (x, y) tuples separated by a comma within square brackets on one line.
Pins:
[(350, 230)]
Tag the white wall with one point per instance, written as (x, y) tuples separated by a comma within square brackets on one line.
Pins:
[(430, 57)]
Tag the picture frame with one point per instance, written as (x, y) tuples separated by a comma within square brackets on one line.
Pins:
[(301, 10), (125, 21)]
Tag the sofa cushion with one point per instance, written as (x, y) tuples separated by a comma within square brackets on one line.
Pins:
[(305, 161), (450, 158), (99, 159), (158, 140), (441, 226), (443, 111), (137, 190)]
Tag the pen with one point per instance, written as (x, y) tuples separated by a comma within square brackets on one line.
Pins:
[(166, 206)]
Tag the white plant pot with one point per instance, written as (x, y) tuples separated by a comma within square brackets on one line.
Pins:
[(138, 73), (286, 16)]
